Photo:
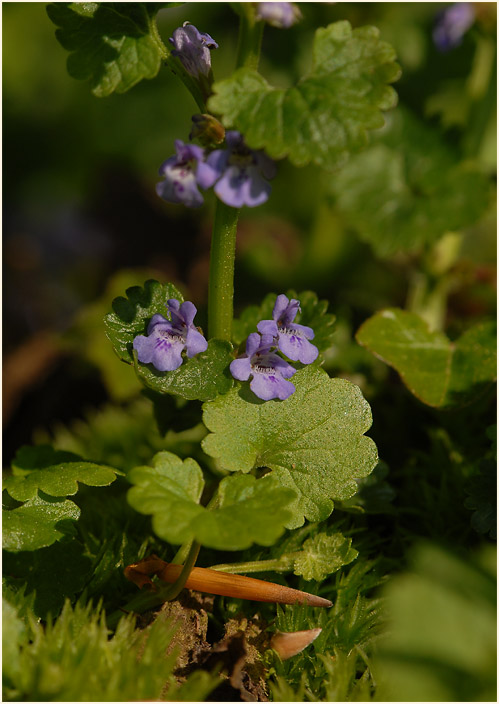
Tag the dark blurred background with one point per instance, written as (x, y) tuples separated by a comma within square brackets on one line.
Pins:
[(82, 220)]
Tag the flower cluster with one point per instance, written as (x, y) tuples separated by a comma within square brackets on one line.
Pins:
[(271, 372), (238, 173), (166, 339)]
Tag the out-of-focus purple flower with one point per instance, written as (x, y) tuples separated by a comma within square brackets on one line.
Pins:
[(183, 173), (292, 338), (192, 47), (452, 24), (269, 371), (166, 339), (279, 14), (243, 172)]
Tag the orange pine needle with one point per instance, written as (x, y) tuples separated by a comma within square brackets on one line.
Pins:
[(213, 582)]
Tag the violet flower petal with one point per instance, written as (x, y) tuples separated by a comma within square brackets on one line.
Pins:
[(161, 348), (297, 347), (285, 310), (195, 342), (241, 368), (267, 327), (268, 386)]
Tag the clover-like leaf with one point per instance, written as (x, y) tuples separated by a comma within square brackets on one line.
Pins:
[(114, 45), (38, 523), (328, 113), (54, 472), (408, 189), (313, 441), (439, 372), (247, 510), (200, 378), (324, 554), (313, 314)]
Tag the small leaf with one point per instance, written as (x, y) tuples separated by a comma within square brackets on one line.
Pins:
[(408, 189), (439, 372), (248, 510), (200, 378), (114, 45), (324, 554), (313, 441), (37, 524), (328, 113), (53, 472), (313, 313)]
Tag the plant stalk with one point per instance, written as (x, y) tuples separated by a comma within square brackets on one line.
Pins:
[(250, 37), (221, 285)]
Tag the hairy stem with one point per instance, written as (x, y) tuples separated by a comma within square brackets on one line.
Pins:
[(280, 564), (221, 286), (175, 589)]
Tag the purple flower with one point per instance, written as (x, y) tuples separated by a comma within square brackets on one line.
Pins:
[(193, 49), (292, 338), (243, 172), (270, 372), (183, 173), (452, 24), (166, 339), (279, 14)]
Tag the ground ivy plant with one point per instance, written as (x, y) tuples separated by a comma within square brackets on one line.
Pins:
[(275, 441), (286, 440)]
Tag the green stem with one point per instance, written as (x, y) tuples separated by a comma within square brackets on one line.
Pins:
[(174, 590), (281, 564), (250, 37), (221, 286), (148, 599)]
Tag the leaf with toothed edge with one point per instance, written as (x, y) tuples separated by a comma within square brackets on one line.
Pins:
[(247, 511), (328, 113), (313, 441)]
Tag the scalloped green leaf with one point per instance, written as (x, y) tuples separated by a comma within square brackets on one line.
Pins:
[(328, 113), (201, 378), (313, 442), (54, 472), (322, 555), (247, 510), (313, 313), (408, 189), (38, 523), (114, 45), (439, 372)]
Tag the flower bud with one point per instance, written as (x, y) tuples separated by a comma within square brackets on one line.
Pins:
[(207, 129)]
